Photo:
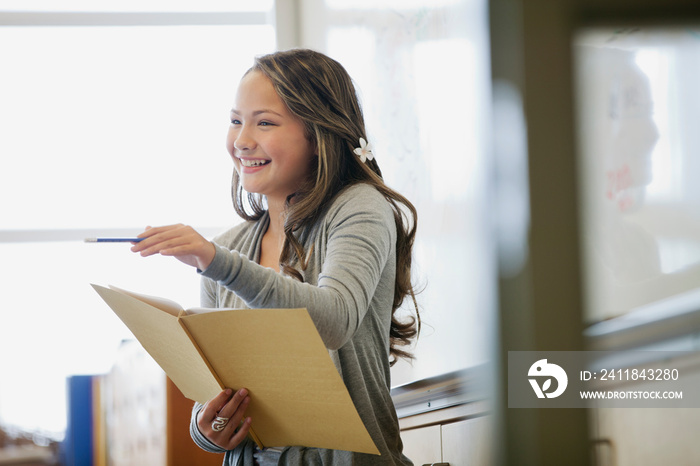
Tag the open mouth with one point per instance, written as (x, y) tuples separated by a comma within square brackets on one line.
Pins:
[(254, 162)]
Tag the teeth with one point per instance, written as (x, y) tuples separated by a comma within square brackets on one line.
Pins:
[(253, 163)]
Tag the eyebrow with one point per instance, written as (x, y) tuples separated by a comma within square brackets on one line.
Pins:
[(258, 112)]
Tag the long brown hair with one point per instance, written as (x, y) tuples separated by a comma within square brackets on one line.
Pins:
[(319, 91)]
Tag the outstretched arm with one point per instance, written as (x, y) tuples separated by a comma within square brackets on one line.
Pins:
[(358, 238)]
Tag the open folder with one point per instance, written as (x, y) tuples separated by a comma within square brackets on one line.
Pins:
[(297, 396)]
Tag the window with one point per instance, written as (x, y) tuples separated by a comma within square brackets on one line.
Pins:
[(112, 120), (423, 75)]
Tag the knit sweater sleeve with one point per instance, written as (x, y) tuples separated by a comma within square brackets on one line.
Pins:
[(355, 240)]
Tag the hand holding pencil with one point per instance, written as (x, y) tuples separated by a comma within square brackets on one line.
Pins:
[(180, 241)]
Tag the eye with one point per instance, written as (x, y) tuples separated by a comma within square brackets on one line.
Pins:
[(235, 121), (266, 123)]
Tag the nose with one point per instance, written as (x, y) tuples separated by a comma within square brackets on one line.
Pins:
[(243, 140)]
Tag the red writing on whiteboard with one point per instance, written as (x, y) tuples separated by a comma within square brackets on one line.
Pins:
[(617, 182)]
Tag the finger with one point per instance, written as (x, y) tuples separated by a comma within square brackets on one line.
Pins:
[(149, 231), (232, 413), (145, 241), (160, 244), (176, 248), (232, 407), (160, 238), (235, 428), (152, 231), (239, 435), (213, 406)]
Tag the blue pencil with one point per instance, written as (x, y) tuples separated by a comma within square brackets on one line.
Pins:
[(113, 240)]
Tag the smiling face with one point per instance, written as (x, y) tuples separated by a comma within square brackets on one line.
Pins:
[(268, 144)]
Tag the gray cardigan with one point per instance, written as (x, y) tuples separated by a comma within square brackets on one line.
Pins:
[(348, 290)]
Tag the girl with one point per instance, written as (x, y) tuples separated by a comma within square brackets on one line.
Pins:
[(322, 231)]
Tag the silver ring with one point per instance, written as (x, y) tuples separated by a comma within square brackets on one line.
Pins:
[(219, 423)]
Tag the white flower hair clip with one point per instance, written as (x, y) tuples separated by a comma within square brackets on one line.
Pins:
[(364, 151)]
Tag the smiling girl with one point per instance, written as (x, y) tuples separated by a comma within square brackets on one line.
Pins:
[(321, 231)]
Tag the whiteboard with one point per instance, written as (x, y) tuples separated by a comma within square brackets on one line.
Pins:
[(639, 108), (424, 79)]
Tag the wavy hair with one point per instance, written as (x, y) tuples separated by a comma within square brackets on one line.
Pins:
[(319, 91)]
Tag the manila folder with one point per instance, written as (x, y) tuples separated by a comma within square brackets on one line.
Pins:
[(297, 396)]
